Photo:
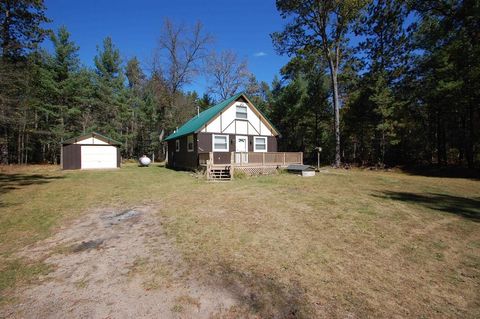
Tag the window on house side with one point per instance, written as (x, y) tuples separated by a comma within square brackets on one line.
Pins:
[(190, 143), (177, 145), (260, 144), (220, 143)]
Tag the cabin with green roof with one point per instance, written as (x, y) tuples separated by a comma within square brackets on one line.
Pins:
[(231, 133)]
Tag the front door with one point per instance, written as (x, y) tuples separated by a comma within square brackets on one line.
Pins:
[(241, 149)]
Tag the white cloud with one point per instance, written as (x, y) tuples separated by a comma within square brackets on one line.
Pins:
[(259, 54)]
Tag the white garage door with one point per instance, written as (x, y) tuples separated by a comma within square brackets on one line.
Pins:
[(99, 157)]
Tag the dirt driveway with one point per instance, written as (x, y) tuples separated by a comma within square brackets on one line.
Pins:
[(117, 264)]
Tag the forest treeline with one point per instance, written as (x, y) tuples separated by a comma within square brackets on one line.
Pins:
[(371, 82)]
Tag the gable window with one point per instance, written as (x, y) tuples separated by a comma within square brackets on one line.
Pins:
[(177, 145), (220, 143), (241, 112), (190, 143), (260, 144)]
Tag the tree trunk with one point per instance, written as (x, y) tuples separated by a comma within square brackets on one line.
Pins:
[(19, 147), (441, 141), (470, 136), (336, 109)]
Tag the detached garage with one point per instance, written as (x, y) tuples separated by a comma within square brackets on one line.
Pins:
[(90, 151)]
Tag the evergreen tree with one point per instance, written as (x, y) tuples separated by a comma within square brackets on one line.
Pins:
[(111, 98), (205, 102), (20, 33), (20, 27)]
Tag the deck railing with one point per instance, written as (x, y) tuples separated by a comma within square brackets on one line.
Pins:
[(255, 158), (266, 158)]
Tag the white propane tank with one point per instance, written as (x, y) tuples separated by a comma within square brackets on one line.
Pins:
[(144, 160)]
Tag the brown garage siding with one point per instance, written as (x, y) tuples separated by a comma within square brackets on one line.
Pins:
[(119, 157), (72, 158)]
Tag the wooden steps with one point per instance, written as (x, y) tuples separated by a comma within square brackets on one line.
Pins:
[(219, 173)]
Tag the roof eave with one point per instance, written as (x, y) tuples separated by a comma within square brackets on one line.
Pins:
[(108, 140)]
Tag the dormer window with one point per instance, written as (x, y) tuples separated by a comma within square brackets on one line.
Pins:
[(241, 112)]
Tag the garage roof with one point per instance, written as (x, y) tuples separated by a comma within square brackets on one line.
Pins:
[(92, 134)]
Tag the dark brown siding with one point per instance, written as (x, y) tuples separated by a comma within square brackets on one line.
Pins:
[(221, 158), (72, 158), (272, 144), (119, 157), (203, 144), (183, 159)]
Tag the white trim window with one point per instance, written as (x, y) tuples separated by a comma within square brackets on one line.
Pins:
[(177, 145), (220, 143), (190, 143), (259, 144), (241, 111)]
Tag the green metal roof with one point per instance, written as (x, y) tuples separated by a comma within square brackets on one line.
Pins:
[(196, 122)]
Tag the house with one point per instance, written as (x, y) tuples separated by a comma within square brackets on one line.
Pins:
[(233, 133), (90, 151)]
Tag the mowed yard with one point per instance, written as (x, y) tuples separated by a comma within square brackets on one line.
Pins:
[(342, 244)]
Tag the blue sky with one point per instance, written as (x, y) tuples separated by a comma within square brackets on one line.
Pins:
[(243, 26)]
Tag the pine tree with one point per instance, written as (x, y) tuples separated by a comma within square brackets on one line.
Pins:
[(20, 33), (111, 97)]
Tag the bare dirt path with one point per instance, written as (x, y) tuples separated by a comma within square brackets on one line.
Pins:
[(116, 264)]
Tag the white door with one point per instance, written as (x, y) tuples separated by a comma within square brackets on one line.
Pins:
[(241, 149), (99, 156)]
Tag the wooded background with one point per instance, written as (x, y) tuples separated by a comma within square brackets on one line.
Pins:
[(406, 94)]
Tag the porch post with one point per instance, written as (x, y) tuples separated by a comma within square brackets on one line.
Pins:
[(284, 158), (263, 158)]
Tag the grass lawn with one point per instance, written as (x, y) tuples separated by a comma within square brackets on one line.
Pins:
[(340, 244)]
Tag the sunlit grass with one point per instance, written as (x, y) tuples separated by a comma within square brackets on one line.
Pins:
[(341, 243)]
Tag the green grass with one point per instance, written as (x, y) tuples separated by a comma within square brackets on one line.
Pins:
[(343, 243)]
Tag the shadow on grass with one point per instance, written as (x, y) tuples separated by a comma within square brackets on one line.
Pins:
[(10, 182), (462, 206), (446, 172), (265, 296)]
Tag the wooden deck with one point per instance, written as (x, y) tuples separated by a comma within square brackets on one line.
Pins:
[(251, 163), (238, 159)]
